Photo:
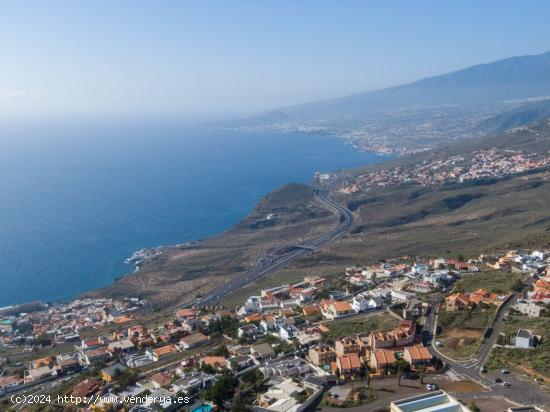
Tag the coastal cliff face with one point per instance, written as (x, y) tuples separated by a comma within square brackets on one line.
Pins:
[(287, 215)]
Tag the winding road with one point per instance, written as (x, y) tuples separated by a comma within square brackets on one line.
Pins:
[(521, 391), (265, 266)]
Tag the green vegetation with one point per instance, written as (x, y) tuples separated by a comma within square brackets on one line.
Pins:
[(340, 328), (532, 361), (461, 332), (496, 281), (223, 390), (478, 318)]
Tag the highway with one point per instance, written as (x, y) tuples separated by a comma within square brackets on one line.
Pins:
[(265, 266)]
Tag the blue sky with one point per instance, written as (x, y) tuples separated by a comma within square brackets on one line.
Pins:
[(219, 58)]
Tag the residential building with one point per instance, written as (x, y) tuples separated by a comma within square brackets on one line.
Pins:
[(249, 332), (530, 309), (359, 304), (239, 363), (458, 301), (109, 373), (86, 388), (194, 383), (348, 365), (322, 355), (121, 346), (285, 368), (346, 345), (193, 341), (288, 332), (9, 384), (417, 356), (382, 360), (162, 352), (333, 309), (263, 351), (402, 335), (525, 339), (215, 362)]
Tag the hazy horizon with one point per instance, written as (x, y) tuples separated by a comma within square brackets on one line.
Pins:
[(213, 59)]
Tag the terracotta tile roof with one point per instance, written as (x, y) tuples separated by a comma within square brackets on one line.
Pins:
[(341, 306), (349, 362), (384, 357), (418, 353), (165, 350), (214, 361), (162, 379), (186, 313), (86, 388)]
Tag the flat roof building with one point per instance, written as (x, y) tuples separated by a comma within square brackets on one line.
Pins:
[(438, 401)]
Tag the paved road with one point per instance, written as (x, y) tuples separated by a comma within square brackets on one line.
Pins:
[(265, 266), (520, 391)]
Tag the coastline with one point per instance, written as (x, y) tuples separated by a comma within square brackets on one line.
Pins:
[(140, 257)]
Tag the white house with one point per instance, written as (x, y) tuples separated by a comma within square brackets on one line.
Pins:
[(375, 302), (249, 332), (286, 367), (525, 339), (538, 255), (529, 309), (399, 296), (359, 304), (288, 332), (253, 304)]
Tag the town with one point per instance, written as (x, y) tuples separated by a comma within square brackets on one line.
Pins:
[(482, 164), (382, 335)]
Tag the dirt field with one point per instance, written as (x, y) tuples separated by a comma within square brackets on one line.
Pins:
[(464, 386), (492, 404), (460, 342)]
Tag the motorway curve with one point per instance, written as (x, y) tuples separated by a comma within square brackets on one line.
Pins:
[(266, 266)]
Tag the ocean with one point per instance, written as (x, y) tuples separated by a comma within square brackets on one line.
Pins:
[(79, 197)]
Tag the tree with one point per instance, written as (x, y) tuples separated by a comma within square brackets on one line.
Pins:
[(422, 373), (473, 407), (238, 404), (402, 368), (253, 377), (222, 390)]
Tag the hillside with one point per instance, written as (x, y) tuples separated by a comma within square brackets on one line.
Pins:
[(286, 215), (523, 115), (448, 219), (416, 117), (469, 218), (512, 78)]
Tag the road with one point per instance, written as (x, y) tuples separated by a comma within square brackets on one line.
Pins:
[(520, 391), (265, 266)]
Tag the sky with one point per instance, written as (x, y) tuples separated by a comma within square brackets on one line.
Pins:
[(208, 59)]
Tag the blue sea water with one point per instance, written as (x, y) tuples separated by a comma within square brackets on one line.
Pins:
[(77, 198)]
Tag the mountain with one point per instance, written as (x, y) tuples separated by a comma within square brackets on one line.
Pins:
[(512, 78), (520, 116)]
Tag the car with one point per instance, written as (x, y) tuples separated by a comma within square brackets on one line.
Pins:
[(497, 380), (506, 384), (432, 387), (504, 371)]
